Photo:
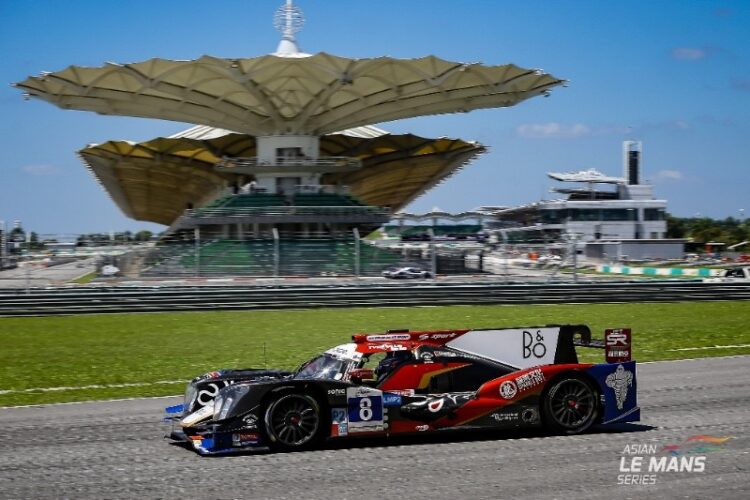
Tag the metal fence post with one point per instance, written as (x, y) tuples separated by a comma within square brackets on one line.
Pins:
[(575, 258), (3, 245), (433, 253), (276, 254), (357, 255), (197, 238)]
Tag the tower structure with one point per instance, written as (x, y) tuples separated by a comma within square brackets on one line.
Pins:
[(289, 104)]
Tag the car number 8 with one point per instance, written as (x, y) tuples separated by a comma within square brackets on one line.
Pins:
[(365, 409)]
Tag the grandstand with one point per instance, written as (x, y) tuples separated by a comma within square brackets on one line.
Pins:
[(284, 173)]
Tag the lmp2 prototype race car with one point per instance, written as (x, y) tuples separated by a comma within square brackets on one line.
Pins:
[(403, 382)]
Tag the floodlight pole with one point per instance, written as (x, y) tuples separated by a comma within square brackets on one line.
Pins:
[(356, 253), (3, 245), (276, 255), (433, 255), (197, 239), (505, 254)]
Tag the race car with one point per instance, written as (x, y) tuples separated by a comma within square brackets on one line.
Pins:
[(406, 273), (403, 382)]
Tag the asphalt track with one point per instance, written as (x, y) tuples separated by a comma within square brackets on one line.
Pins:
[(115, 450)]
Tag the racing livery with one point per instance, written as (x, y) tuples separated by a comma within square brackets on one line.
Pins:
[(402, 382)]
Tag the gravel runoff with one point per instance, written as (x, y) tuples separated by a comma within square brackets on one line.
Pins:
[(115, 449)]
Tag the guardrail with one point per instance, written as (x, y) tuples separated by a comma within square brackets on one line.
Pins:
[(42, 302)]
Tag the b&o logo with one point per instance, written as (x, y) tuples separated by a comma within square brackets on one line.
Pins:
[(533, 345)]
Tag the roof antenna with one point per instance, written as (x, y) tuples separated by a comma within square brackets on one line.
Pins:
[(288, 19)]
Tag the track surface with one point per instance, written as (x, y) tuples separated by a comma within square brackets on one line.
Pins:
[(115, 450)]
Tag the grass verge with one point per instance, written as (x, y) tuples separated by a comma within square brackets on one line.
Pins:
[(85, 278), (130, 355)]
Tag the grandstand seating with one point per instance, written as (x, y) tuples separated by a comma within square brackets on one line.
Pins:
[(324, 253), (254, 200), (325, 200)]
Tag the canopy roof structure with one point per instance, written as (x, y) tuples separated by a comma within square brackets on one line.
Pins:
[(591, 176), (157, 179), (279, 94)]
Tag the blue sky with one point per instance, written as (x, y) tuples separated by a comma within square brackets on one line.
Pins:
[(673, 74)]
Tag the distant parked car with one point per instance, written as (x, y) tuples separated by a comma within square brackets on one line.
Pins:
[(109, 270), (733, 275), (406, 273)]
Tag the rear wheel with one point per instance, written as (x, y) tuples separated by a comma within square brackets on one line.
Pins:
[(293, 421), (570, 405)]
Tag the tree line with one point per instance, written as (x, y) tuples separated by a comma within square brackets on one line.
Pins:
[(704, 229)]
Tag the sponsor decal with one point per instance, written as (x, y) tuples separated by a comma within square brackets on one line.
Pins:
[(530, 379), (388, 337), (250, 420), (505, 417), (338, 415), (336, 392), (422, 428), (508, 389), (345, 351), (390, 399), (402, 392), (388, 346), (619, 381), (533, 345), (343, 429), (437, 336), (445, 354), (617, 345), (644, 463), (427, 357), (245, 438)]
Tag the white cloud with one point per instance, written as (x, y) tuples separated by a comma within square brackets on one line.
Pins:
[(669, 175), (41, 169), (552, 130), (689, 53)]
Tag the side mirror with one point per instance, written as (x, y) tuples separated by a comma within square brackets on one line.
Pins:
[(362, 375)]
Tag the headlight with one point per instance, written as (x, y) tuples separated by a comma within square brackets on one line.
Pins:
[(222, 406), (226, 407), (190, 393), (218, 403)]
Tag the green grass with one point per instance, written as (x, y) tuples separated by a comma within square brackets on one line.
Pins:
[(85, 278), (78, 351)]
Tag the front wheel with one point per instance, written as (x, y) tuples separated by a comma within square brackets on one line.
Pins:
[(570, 405), (293, 421)]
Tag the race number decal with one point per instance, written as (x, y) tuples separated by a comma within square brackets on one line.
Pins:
[(365, 409)]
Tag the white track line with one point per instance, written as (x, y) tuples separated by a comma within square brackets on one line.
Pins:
[(95, 386), (44, 405), (709, 347)]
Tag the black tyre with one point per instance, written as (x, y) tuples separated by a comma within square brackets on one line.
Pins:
[(293, 421), (570, 405)]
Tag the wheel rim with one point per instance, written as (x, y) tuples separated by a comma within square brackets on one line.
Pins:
[(293, 420), (572, 403)]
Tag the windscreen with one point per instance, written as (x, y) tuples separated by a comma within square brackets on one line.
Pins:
[(324, 367)]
